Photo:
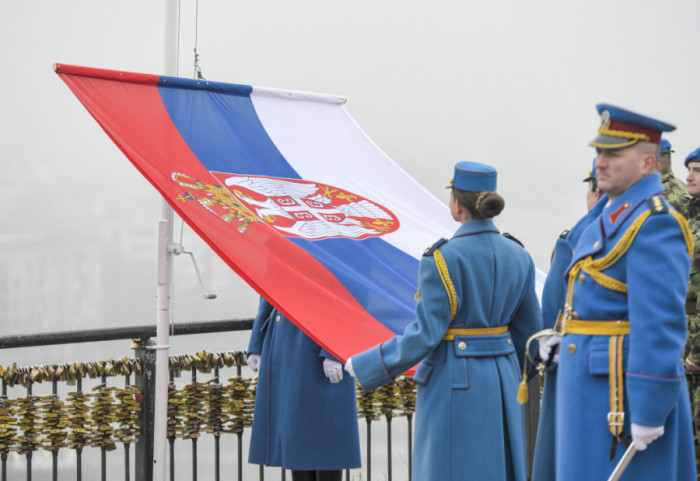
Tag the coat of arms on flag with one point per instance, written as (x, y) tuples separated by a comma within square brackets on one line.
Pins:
[(294, 207)]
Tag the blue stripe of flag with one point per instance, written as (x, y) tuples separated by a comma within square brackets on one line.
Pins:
[(223, 130)]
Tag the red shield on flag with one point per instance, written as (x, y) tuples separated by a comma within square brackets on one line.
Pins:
[(295, 208)]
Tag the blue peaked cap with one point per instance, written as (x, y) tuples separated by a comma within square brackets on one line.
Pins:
[(591, 173), (620, 128), (474, 177), (694, 156), (665, 146)]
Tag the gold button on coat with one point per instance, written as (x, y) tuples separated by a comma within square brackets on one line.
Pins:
[(278, 319), (462, 345), (572, 348), (582, 278)]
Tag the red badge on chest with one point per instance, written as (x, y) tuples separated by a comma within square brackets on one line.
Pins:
[(614, 216)]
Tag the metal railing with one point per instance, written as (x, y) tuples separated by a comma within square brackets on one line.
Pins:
[(197, 408)]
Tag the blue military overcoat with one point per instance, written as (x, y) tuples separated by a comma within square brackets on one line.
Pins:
[(468, 422), (302, 421), (647, 286), (553, 299), (553, 294)]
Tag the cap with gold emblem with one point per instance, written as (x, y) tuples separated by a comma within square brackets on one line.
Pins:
[(474, 177), (621, 128)]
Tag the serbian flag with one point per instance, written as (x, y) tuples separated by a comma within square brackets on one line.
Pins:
[(286, 188)]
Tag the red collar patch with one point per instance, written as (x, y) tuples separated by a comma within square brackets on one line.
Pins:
[(614, 216)]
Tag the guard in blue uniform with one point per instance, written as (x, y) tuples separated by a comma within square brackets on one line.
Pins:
[(620, 377), (553, 299), (476, 309), (305, 415), (593, 192)]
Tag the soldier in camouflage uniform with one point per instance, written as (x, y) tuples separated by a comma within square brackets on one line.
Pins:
[(692, 306), (674, 189)]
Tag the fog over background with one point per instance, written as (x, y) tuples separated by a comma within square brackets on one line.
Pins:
[(505, 82)]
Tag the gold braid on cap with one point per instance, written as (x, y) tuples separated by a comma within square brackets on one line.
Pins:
[(624, 135), (482, 195)]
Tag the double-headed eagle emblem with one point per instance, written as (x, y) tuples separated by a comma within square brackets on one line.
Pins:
[(295, 208)]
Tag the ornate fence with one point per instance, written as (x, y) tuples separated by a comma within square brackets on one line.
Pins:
[(116, 413)]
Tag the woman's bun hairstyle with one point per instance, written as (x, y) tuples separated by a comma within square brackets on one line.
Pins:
[(481, 205)]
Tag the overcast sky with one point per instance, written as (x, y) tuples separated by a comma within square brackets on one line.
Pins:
[(509, 83)]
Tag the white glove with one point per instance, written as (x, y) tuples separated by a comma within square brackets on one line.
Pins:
[(549, 345), (254, 362), (333, 370), (642, 436), (348, 367)]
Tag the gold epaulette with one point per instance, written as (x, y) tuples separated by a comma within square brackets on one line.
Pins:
[(657, 205)]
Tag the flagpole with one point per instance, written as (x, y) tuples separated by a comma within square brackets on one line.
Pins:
[(165, 257)]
